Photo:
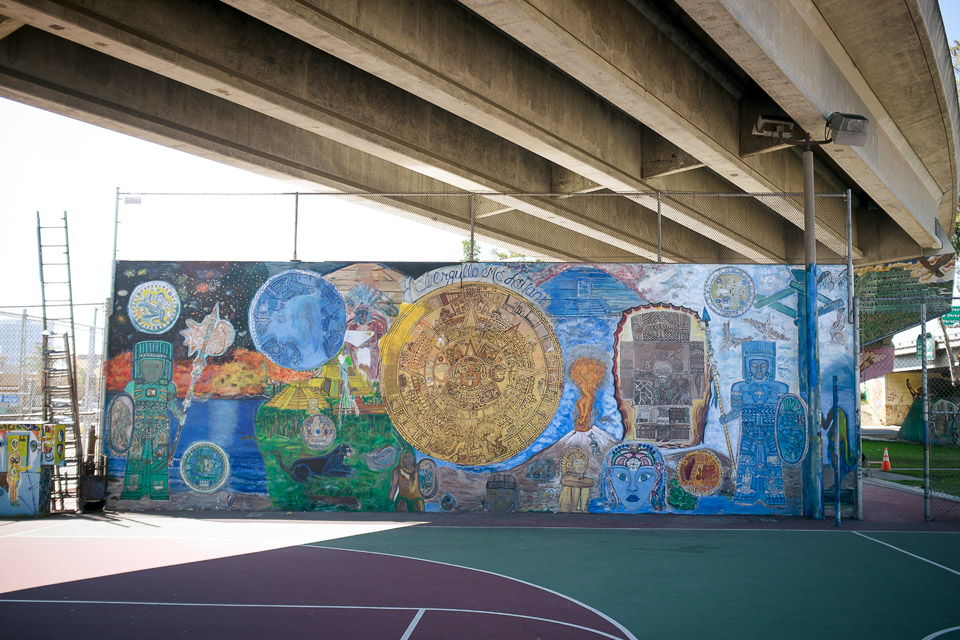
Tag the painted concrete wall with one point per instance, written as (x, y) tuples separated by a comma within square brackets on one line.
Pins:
[(28, 453), (462, 387), (900, 389)]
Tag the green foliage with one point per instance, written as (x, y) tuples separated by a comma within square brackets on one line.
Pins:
[(495, 254), (470, 256), (909, 454), (278, 434), (679, 498)]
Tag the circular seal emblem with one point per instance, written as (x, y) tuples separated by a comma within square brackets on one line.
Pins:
[(471, 373), (791, 429), (700, 473), (730, 291), (297, 320), (204, 467), (318, 431), (154, 306)]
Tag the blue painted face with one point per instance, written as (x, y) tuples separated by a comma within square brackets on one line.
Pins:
[(633, 486)]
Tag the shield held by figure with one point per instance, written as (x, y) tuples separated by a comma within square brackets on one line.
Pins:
[(791, 429)]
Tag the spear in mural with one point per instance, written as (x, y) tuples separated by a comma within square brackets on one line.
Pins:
[(210, 337), (715, 381)]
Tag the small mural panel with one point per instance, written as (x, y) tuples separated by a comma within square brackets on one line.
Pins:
[(890, 294), (662, 375), (28, 453), (597, 388)]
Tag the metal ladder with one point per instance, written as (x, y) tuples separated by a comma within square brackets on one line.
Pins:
[(60, 404), (56, 285), (60, 407)]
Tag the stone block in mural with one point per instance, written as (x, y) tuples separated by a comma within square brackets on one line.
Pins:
[(464, 387), (662, 375)]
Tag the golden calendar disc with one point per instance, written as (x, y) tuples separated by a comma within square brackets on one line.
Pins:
[(471, 373)]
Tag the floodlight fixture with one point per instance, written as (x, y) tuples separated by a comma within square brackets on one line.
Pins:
[(848, 129), (774, 127)]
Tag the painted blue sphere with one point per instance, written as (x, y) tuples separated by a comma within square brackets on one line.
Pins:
[(297, 320)]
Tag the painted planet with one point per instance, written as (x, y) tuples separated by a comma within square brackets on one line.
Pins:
[(318, 431), (730, 292), (154, 306), (204, 467), (297, 320)]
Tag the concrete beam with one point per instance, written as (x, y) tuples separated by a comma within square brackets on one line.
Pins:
[(792, 53), (469, 69), (228, 54), (8, 26), (131, 100), (621, 55), (663, 158)]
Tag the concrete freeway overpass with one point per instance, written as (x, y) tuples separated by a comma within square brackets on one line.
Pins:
[(532, 96)]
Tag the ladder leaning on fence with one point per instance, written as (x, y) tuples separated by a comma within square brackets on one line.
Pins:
[(60, 406)]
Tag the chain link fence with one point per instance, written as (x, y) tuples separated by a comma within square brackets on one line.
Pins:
[(912, 381), (594, 226), (21, 366)]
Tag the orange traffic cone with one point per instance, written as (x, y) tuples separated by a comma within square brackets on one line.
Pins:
[(885, 465)]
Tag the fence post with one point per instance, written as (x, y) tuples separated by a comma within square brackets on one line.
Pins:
[(924, 392), (21, 381), (473, 226), (837, 475), (857, 435), (296, 222), (659, 227)]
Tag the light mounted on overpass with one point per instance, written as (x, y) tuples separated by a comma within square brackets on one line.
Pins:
[(848, 129)]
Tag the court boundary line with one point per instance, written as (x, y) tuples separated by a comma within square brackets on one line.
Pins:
[(413, 624), (937, 634), (236, 605), (597, 612), (912, 555), (23, 534)]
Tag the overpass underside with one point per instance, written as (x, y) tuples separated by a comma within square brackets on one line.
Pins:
[(606, 102)]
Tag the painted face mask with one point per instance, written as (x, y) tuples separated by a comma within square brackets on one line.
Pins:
[(633, 483)]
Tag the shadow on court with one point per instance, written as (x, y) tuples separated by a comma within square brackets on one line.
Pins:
[(419, 576)]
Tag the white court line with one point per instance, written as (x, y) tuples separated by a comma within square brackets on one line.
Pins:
[(619, 626), (32, 531), (237, 605), (413, 625), (941, 632), (913, 555)]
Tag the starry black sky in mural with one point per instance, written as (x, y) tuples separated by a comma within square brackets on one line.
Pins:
[(200, 286)]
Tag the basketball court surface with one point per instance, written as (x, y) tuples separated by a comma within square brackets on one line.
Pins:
[(423, 576)]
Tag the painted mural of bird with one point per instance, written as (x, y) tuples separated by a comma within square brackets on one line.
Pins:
[(767, 332), (729, 341), (937, 265)]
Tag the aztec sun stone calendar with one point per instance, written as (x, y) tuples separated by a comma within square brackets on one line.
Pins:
[(472, 373)]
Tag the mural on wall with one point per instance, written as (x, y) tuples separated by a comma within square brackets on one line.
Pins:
[(876, 362), (890, 294), (28, 453), (575, 388)]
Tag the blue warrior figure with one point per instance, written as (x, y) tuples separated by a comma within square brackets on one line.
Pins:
[(754, 400), (154, 394)]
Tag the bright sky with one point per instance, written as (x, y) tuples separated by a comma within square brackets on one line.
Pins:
[(52, 164)]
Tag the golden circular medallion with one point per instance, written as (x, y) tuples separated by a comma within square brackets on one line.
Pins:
[(471, 373), (700, 472)]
